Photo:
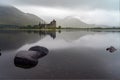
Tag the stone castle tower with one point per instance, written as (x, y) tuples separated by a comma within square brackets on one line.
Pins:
[(52, 25)]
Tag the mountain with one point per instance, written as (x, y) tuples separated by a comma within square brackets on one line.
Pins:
[(72, 22), (12, 16)]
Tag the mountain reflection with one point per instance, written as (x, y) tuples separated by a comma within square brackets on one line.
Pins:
[(15, 39)]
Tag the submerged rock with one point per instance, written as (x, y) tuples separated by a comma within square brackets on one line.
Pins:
[(42, 50), (29, 59), (111, 49)]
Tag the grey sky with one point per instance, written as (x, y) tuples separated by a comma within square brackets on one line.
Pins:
[(90, 4)]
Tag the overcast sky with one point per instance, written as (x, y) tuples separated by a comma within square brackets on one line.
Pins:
[(102, 12)]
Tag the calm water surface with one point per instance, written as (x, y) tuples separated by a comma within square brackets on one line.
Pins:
[(72, 54)]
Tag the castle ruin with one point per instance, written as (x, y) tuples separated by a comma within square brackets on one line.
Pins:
[(51, 25)]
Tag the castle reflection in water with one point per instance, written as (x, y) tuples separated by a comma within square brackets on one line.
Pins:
[(52, 34)]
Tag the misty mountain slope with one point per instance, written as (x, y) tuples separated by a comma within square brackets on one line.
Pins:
[(72, 22), (12, 16)]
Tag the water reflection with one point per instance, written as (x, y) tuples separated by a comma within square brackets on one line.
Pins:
[(51, 33), (73, 54), (15, 39), (29, 59), (95, 40)]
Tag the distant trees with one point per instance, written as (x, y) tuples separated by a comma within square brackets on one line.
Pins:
[(51, 25), (59, 27)]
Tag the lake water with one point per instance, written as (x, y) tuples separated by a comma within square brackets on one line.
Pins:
[(73, 54)]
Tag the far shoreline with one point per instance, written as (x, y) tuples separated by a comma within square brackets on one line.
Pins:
[(76, 29)]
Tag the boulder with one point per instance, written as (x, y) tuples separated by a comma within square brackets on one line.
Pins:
[(26, 59), (111, 49), (29, 59), (42, 50)]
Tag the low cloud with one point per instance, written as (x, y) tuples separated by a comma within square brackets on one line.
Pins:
[(99, 16), (82, 4)]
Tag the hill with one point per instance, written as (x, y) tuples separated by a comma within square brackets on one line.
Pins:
[(72, 22), (10, 15)]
